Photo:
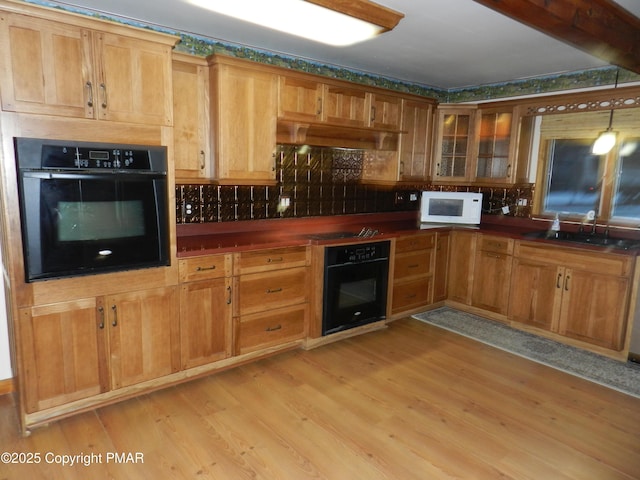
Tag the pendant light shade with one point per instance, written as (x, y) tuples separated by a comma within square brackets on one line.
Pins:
[(604, 143)]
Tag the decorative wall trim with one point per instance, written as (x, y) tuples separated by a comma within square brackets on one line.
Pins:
[(204, 46)]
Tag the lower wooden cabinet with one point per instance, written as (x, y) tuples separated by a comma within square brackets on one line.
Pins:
[(492, 278), (63, 353), (412, 272), (272, 328), (461, 266), (575, 293), (441, 269), (77, 349)]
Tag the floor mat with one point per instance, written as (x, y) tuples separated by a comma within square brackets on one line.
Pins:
[(621, 376)]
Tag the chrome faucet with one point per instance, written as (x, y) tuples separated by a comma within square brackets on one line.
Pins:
[(595, 219)]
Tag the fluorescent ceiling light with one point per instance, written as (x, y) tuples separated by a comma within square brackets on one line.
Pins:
[(342, 24)]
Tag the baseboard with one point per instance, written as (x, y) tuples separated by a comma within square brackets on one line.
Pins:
[(6, 386)]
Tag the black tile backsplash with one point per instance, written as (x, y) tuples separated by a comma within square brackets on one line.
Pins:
[(319, 181)]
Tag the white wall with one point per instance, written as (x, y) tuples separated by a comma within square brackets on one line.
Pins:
[(5, 358)]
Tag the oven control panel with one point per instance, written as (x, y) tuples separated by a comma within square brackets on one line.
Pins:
[(364, 252), (72, 157)]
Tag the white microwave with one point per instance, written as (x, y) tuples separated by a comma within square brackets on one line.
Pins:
[(450, 207)]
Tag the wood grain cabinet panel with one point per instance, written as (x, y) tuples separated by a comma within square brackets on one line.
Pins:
[(63, 353), (56, 68), (413, 264), (271, 328)]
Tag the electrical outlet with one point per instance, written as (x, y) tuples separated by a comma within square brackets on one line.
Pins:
[(522, 202)]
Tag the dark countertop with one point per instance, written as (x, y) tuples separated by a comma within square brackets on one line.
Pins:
[(243, 236)]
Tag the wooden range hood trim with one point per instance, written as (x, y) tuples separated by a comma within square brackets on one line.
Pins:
[(601, 28), (322, 134)]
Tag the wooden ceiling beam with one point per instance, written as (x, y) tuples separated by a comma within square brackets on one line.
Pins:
[(601, 28), (364, 10)]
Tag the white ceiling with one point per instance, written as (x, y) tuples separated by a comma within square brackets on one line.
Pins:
[(444, 44)]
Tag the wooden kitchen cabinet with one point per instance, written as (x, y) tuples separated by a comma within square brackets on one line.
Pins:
[(144, 337), (344, 105), (243, 106), (271, 297), (412, 272), (461, 266), (574, 293), (386, 112), (415, 141), (55, 64), (63, 353), (205, 309), (191, 130), (492, 277), (441, 268), (454, 144), (300, 99)]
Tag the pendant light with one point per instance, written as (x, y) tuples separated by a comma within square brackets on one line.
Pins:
[(607, 139)]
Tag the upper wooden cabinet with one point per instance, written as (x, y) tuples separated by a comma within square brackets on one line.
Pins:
[(386, 111), (348, 106), (191, 116), (453, 152), (299, 99), (243, 106), (84, 68), (415, 141)]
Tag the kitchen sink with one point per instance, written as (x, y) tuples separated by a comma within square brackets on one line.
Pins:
[(598, 239)]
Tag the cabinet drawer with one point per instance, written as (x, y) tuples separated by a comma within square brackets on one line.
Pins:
[(412, 264), (262, 330), (415, 242), (408, 295), (496, 244), (271, 259), (202, 268), (263, 291)]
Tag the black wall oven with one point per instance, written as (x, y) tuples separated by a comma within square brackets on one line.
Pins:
[(355, 285), (88, 208)]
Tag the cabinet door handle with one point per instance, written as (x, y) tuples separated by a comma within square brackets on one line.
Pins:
[(101, 313), (229, 296), (202, 269), (202, 163), (276, 259), (558, 280), (103, 89), (566, 283), (89, 86), (319, 106), (114, 309), (401, 168), (373, 114), (509, 170), (274, 290), (273, 329)]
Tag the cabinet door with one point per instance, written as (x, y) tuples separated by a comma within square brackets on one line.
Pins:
[(536, 291), (134, 80), (440, 275), (144, 335), (494, 155), (205, 321), (415, 142), (190, 116), (385, 112), (453, 154), (492, 277), (299, 99), (594, 308), (46, 67), (63, 353), (346, 106), (461, 265), (245, 124)]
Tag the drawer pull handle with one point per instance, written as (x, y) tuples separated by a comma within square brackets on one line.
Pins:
[(414, 265), (273, 329), (274, 290), (202, 269), (414, 295), (493, 255), (277, 259)]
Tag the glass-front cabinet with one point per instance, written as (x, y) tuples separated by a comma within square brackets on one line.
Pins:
[(453, 154), (494, 134)]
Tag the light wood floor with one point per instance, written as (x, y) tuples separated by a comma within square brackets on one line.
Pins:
[(408, 402)]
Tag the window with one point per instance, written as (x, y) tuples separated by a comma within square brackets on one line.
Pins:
[(571, 180)]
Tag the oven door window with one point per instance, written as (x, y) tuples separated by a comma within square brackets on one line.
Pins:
[(87, 224)]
